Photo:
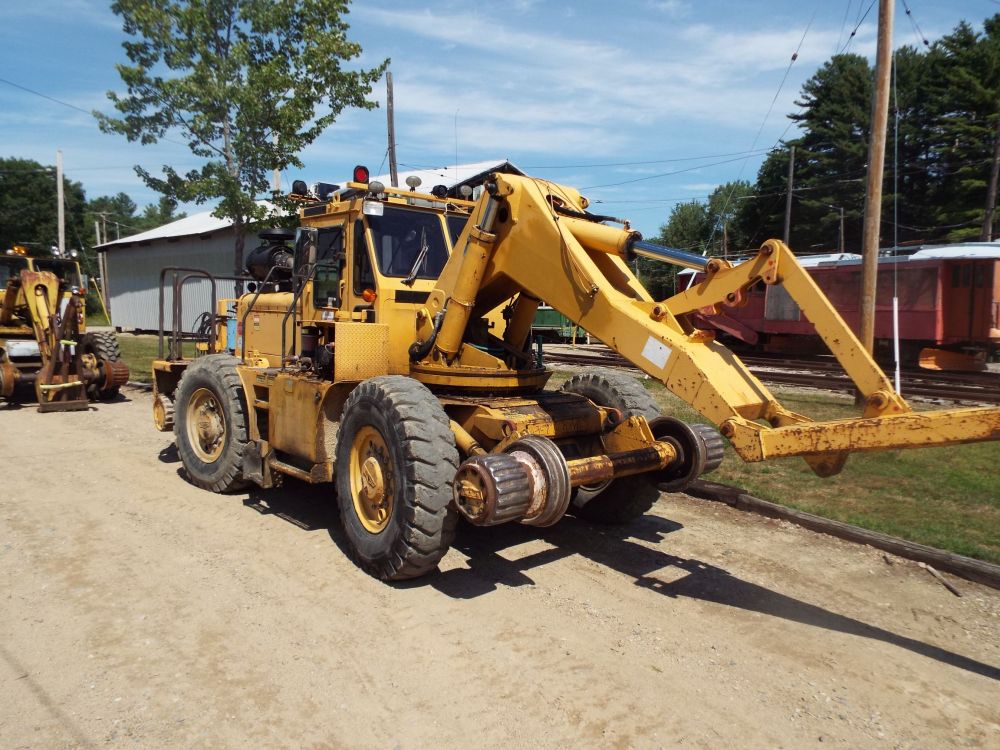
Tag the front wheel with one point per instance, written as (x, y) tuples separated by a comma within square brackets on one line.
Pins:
[(396, 460), (211, 423)]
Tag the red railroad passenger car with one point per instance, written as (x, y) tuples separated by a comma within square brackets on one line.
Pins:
[(949, 305)]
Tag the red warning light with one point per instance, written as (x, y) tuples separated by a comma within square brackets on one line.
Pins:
[(361, 174)]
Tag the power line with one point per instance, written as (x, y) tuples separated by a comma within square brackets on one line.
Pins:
[(46, 96), (67, 104), (857, 26), (644, 163), (913, 23), (663, 174), (774, 99), (843, 25)]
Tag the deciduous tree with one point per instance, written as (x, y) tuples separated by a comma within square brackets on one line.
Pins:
[(247, 83)]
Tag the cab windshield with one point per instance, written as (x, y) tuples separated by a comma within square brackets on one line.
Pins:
[(66, 270), (408, 244)]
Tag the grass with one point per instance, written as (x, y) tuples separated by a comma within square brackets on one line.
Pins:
[(138, 353), (945, 497)]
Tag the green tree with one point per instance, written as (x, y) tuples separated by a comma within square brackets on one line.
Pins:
[(28, 210), (157, 214), (247, 83), (725, 218), (831, 156), (686, 229)]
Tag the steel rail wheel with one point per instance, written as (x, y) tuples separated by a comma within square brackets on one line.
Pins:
[(102, 345), (211, 423), (396, 459)]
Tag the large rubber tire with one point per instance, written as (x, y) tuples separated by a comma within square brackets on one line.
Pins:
[(103, 345), (210, 423), (621, 500), (396, 460)]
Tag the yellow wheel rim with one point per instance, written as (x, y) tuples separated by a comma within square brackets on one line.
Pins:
[(206, 425), (159, 415), (372, 479)]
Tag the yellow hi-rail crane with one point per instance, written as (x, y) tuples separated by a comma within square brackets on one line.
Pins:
[(389, 351), (43, 336)]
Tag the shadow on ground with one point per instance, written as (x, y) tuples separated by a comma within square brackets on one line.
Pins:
[(313, 507)]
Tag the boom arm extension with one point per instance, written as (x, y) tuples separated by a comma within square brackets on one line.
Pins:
[(527, 239)]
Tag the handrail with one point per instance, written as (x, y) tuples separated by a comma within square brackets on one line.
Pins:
[(176, 342), (176, 322), (175, 312)]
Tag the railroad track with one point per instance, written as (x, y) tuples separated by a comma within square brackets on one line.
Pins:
[(823, 373)]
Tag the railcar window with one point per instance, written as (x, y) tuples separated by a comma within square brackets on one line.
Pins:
[(408, 243), (979, 276), (956, 276), (966, 274)]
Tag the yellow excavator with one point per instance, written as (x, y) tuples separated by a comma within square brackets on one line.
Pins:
[(384, 346), (44, 343)]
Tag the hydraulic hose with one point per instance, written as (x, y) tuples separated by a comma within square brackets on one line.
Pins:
[(420, 349)]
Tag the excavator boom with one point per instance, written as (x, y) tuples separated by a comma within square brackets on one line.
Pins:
[(531, 240)]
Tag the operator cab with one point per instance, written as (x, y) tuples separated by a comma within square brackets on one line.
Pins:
[(66, 269)]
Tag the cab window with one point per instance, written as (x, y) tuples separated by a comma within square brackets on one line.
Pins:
[(65, 270), (329, 263), (408, 244), (364, 278), (10, 266), (456, 223)]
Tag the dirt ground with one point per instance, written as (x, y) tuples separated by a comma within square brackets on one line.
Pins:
[(139, 611)]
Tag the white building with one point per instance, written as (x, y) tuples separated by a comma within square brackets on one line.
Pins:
[(133, 264)]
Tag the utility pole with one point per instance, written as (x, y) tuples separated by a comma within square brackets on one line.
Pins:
[(991, 194), (393, 170), (61, 213), (791, 187), (840, 240), (876, 167)]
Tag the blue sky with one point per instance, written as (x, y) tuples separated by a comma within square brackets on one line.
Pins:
[(641, 103)]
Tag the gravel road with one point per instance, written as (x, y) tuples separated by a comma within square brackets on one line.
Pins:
[(138, 611)]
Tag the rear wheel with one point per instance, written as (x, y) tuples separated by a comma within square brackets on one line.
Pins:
[(211, 423), (103, 345), (619, 500), (396, 460)]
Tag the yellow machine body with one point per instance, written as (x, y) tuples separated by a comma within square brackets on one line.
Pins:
[(383, 283), (43, 337)]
